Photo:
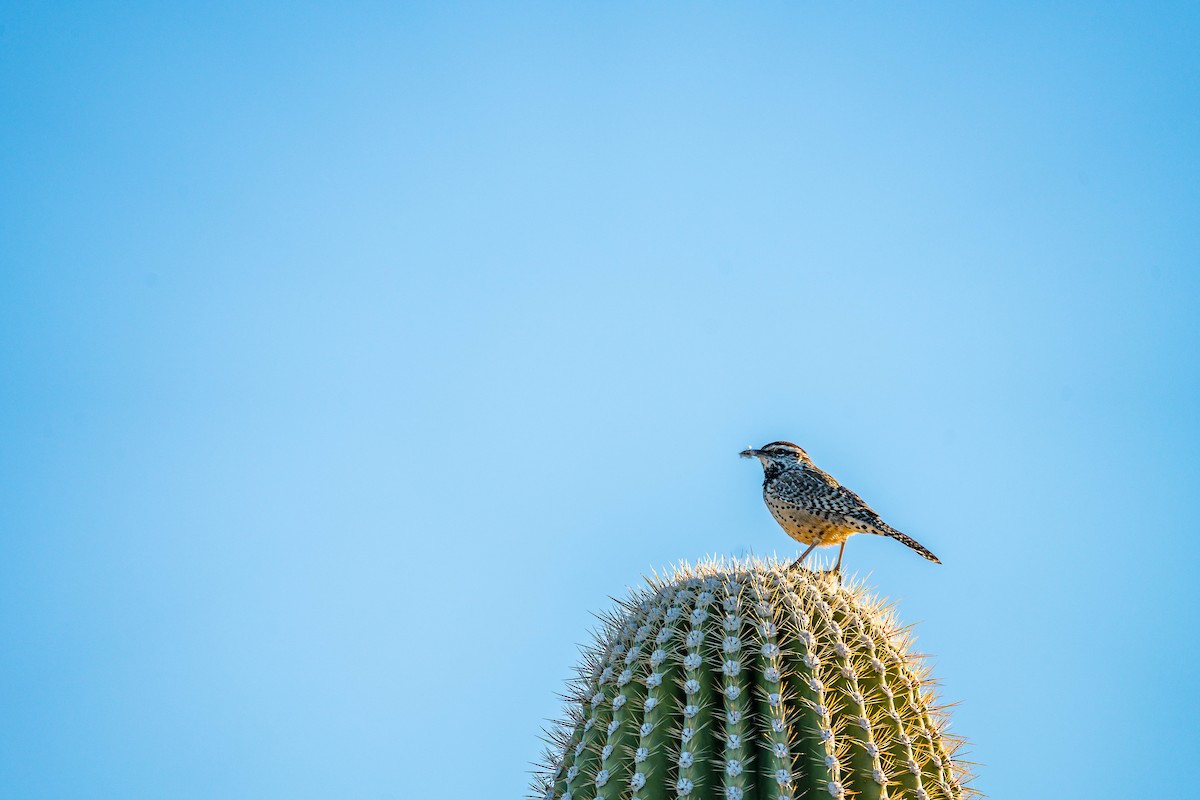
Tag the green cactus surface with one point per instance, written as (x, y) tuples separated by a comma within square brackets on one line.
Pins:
[(745, 680)]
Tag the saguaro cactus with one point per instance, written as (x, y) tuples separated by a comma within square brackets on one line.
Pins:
[(746, 680)]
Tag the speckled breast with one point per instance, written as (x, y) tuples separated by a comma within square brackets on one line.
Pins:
[(804, 526)]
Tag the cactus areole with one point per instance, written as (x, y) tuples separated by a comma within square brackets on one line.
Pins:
[(746, 681)]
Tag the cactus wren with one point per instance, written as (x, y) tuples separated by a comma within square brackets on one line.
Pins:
[(812, 507)]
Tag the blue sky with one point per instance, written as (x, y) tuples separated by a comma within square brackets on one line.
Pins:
[(351, 356)]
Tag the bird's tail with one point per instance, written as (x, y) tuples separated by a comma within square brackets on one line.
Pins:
[(888, 530)]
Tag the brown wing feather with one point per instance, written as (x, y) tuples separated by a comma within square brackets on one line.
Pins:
[(818, 493)]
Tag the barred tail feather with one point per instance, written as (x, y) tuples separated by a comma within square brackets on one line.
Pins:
[(889, 531)]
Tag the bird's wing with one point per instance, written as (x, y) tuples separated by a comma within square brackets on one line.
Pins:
[(821, 494), (826, 496)]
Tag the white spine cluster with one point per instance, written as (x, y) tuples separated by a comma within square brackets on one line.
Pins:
[(692, 663), (802, 607)]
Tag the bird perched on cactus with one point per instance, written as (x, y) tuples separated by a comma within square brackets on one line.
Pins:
[(748, 680), (815, 509)]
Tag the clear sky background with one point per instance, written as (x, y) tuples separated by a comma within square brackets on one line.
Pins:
[(351, 356)]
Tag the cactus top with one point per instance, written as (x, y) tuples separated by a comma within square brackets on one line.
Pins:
[(743, 680)]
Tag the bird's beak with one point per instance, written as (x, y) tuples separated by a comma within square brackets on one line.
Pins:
[(751, 453)]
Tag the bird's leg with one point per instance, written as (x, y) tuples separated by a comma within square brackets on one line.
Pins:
[(838, 566), (804, 555)]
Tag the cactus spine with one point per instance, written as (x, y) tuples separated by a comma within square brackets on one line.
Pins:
[(747, 681)]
